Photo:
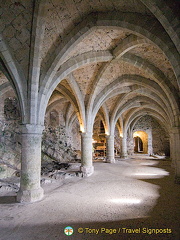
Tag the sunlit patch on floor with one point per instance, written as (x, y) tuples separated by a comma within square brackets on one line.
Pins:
[(145, 172), (126, 200)]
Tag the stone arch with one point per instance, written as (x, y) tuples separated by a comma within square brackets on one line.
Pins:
[(156, 98), (136, 113), (105, 93), (72, 99), (38, 26), (158, 135), (72, 119), (15, 75), (116, 19), (166, 17), (79, 98), (151, 107), (127, 44), (74, 63), (133, 116), (66, 70), (167, 91), (5, 87), (161, 79), (143, 92)]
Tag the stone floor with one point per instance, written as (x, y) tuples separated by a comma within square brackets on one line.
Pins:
[(132, 199)]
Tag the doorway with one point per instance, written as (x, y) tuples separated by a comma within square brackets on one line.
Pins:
[(138, 145), (140, 142)]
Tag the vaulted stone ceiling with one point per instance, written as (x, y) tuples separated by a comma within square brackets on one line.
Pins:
[(113, 55)]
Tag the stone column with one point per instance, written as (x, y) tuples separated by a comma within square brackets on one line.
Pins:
[(172, 151), (175, 152), (150, 149), (30, 189), (86, 154), (110, 149), (124, 147)]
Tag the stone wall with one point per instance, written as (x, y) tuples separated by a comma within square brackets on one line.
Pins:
[(10, 136), (59, 142), (55, 119), (74, 137), (160, 141)]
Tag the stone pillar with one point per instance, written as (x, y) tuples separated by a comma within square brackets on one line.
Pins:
[(124, 147), (110, 149), (175, 152), (172, 151), (30, 189), (86, 154), (150, 148)]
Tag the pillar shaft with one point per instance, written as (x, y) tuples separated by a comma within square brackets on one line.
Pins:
[(110, 149), (175, 152), (30, 189), (172, 150), (124, 147), (86, 154)]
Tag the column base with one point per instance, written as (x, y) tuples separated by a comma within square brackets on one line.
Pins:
[(177, 179), (29, 196), (110, 160), (87, 171)]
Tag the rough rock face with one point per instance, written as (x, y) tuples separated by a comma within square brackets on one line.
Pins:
[(11, 109), (56, 154), (55, 145), (10, 148), (117, 142), (10, 136)]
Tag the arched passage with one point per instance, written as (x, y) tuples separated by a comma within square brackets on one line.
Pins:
[(118, 54), (140, 142)]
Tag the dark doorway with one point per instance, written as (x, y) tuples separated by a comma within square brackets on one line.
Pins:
[(138, 144)]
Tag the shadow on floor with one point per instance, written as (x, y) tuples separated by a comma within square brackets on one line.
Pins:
[(163, 221), (147, 229), (7, 199)]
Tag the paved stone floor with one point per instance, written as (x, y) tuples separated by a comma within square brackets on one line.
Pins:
[(132, 199)]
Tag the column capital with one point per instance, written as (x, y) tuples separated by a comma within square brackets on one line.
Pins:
[(109, 136), (86, 134), (32, 129)]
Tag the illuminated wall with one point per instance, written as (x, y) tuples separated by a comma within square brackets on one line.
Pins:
[(144, 137)]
